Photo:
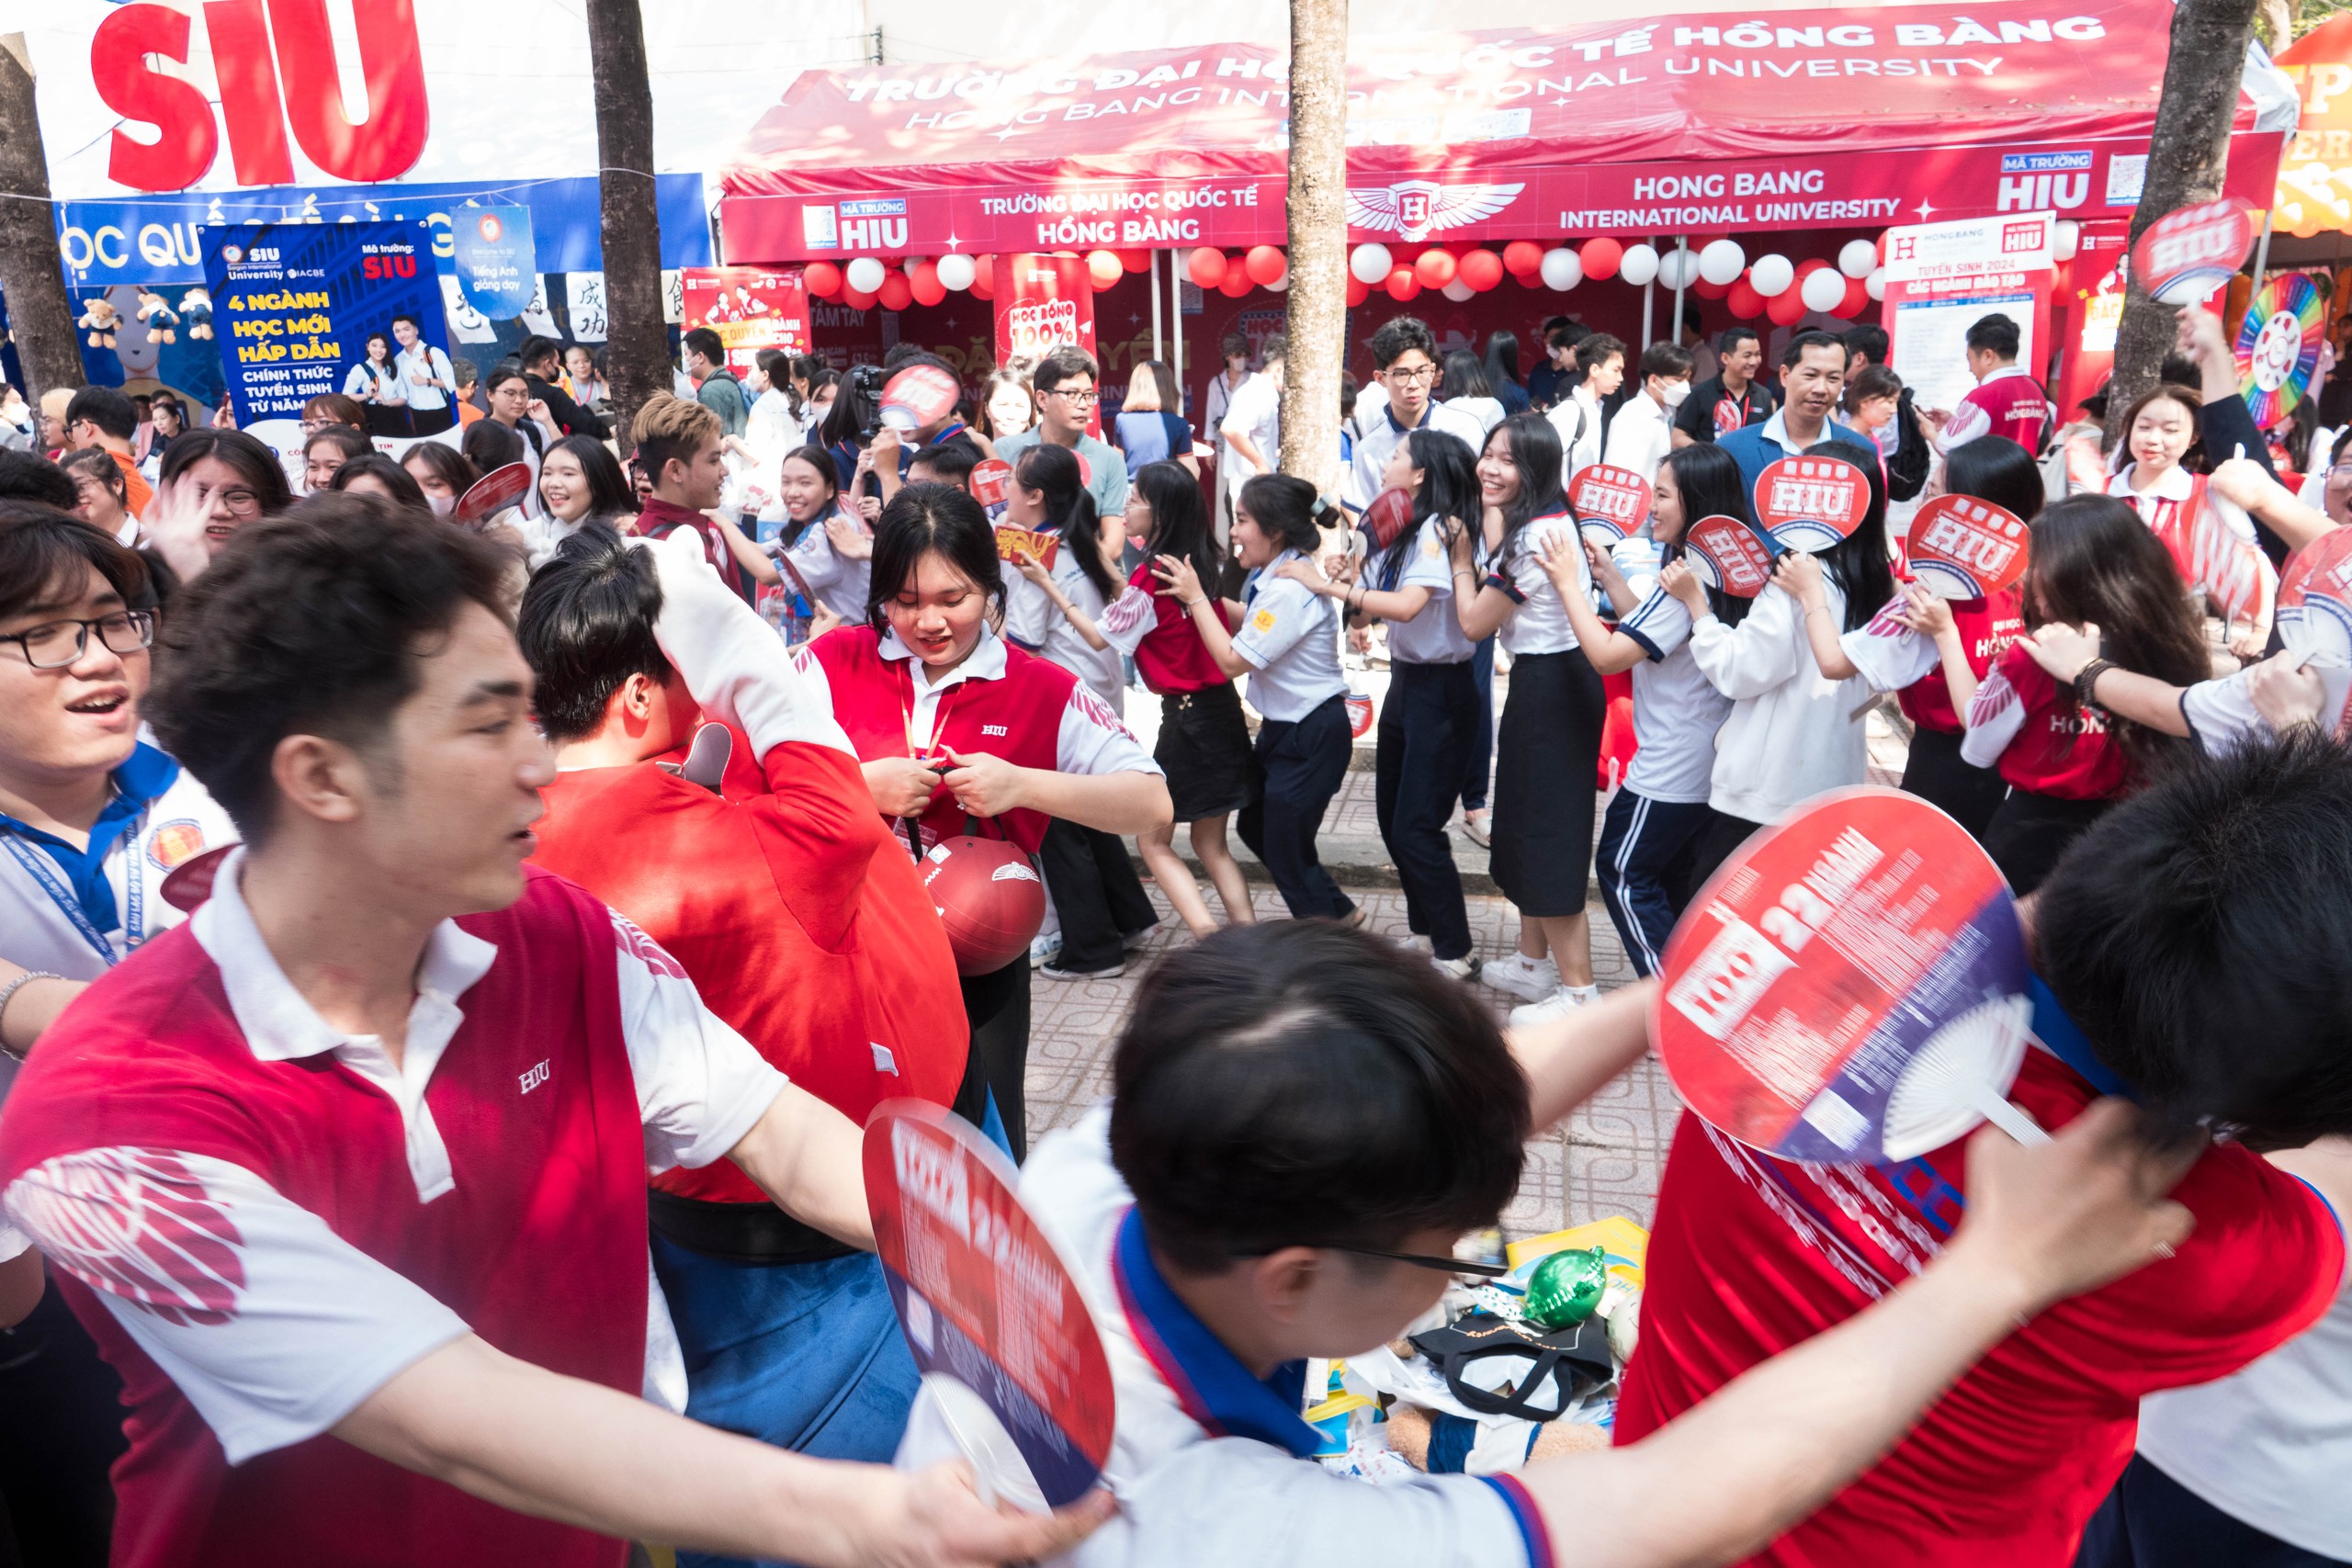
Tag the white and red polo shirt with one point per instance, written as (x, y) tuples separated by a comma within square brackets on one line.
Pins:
[(2021, 725)]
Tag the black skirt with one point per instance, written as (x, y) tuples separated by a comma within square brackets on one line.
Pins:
[(1204, 748), (2029, 833), (1935, 773), (1547, 754)]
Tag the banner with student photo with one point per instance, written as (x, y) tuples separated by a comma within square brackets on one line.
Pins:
[(751, 309), (294, 303)]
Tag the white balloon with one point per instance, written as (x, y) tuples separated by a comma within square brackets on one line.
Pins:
[(1282, 283), (1639, 267), (1771, 275), (1459, 291), (2067, 238), (1823, 287), (956, 272), (1856, 257), (1371, 263), (866, 274), (1561, 269), (1875, 284), (1722, 262), (1679, 268)]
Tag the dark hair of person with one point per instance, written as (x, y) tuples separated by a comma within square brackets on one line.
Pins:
[(1794, 354), (1872, 380), (376, 466), (1448, 492), (1291, 1083), (1995, 469), (609, 496), (107, 409), (351, 443), (390, 348), (776, 366), (819, 460), (102, 467), (464, 372), (1666, 359), (708, 344), (162, 400), (949, 462), (587, 626), (1465, 376), (2198, 936), (1272, 347), (1286, 509), (1727, 340), (312, 623), (1692, 316), (1995, 334), (489, 444), (2093, 560), (1233, 344), (537, 350), (451, 466), (1064, 363), (1711, 485), (255, 463), (1868, 339), (1502, 358), (898, 354), (2179, 370), (1859, 561), (1401, 335), (45, 550), (1532, 443), (1594, 349), (923, 519), (336, 406), (856, 409), (501, 376), (1349, 387), (1180, 518), (1566, 333), (28, 476), (403, 316), (1069, 510)]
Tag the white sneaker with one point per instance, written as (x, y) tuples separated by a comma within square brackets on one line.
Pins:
[(1458, 968), (1531, 979), (1556, 1006)]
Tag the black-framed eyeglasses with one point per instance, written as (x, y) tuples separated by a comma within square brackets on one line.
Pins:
[(1408, 375), (1484, 1267), (240, 502), (1075, 395), (54, 645)]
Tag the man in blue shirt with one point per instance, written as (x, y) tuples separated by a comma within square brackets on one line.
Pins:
[(1813, 377)]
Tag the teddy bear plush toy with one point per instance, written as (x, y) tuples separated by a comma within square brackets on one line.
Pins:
[(160, 319), (195, 307), (102, 319)]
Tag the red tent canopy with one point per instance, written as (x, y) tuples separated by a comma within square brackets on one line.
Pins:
[(1699, 124)]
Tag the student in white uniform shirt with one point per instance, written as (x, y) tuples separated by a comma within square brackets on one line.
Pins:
[(1578, 415), (1288, 645), (1547, 748), (1253, 427), (1649, 834), (91, 819), (824, 549), (2158, 431), (1405, 352), (1097, 897), (1643, 433), (1793, 732), (1301, 1130)]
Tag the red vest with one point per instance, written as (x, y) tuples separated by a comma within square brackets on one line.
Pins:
[(661, 519), (2068, 757), (1171, 657), (1986, 627), (540, 1248), (796, 911), (1018, 718)]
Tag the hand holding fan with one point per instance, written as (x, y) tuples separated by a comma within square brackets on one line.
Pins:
[(1811, 504), (1961, 547), (492, 493), (1611, 504), (990, 478), (1726, 554)]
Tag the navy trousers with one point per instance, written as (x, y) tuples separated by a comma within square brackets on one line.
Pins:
[(1427, 726), (1298, 769), (2150, 1520), (1648, 849)]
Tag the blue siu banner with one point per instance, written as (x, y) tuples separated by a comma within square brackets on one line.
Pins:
[(293, 304), (495, 262)]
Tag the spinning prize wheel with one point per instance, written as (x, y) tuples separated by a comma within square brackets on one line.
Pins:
[(2277, 347)]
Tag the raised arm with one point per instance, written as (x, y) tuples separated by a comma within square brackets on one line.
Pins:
[(1610, 651), (1799, 576), (2066, 652), (1208, 611), (1573, 1058)]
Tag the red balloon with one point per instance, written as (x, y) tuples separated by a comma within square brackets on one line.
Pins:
[(822, 278), (923, 279), (1706, 291), (896, 293), (858, 299), (1358, 291), (1134, 261), (1207, 266), (1807, 268), (1857, 301), (1601, 256), (983, 277), (1529, 279), (1521, 257), (1881, 243), (1435, 267), (1403, 284), (1265, 265), (1481, 269), (1104, 268), (1236, 281), (1786, 309), (1742, 299)]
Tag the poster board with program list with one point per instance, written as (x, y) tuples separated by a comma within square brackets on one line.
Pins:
[(1943, 278)]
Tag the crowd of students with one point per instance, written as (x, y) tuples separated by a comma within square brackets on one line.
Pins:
[(558, 846)]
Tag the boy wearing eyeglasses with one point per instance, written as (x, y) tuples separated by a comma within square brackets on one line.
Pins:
[(1302, 1129), (1405, 352), (1066, 403)]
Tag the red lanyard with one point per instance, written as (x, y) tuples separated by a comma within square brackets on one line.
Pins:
[(939, 720)]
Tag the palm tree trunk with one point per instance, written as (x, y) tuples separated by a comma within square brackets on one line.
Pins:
[(39, 315), (2188, 152), (637, 347), (1319, 241)]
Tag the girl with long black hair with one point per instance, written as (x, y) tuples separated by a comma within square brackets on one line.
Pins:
[(824, 551), (1429, 721), (1547, 749), (1098, 899), (1650, 834), (1793, 732)]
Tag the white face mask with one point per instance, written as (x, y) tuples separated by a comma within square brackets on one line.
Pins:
[(442, 504), (1674, 392)]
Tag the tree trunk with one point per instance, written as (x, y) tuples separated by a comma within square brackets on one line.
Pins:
[(1319, 241), (2187, 155), (39, 315), (2278, 23), (637, 346)]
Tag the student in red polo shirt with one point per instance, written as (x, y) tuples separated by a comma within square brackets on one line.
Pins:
[(346, 1174), (681, 449), (953, 722), (2007, 399), (749, 848), (2065, 759), (2190, 953)]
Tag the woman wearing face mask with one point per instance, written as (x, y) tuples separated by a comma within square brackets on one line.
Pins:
[(579, 483), (948, 720), (2159, 432), (442, 472), (1289, 647)]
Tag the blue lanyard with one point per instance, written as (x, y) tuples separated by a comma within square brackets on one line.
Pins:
[(134, 924)]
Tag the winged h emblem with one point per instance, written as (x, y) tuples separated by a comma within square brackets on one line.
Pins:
[(1413, 208)]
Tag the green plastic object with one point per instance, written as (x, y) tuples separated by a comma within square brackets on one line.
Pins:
[(1566, 1288)]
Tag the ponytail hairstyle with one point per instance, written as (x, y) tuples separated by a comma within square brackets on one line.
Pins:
[(1286, 509), (1711, 484), (1069, 510), (1448, 492), (1532, 445), (1180, 519), (2093, 560), (920, 520), (1860, 562)]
